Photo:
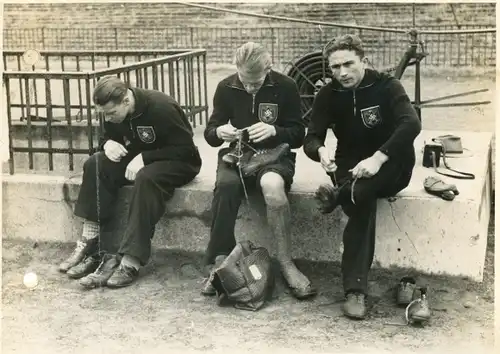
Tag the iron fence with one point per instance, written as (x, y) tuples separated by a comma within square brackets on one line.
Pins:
[(49, 107), (285, 43)]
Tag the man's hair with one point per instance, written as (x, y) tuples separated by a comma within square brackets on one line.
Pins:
[(109, 89), (252, 57), (345, 42)]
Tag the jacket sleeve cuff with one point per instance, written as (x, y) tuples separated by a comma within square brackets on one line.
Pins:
[(311, 150), (212, 138)]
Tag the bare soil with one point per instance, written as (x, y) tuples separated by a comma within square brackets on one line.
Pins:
[(164, 311)]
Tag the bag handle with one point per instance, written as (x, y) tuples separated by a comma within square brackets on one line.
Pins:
[(462, 175)]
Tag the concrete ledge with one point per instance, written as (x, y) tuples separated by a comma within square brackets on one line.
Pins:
[(415, 230)]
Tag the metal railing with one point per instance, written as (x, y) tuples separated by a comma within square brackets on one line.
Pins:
[(285, 43), (49, 107)]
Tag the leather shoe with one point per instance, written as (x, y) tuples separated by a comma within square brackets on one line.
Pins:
[(208, 289), (85, 267), (326, 196), (83, 248), (405, 291), (123, 276), (101, 275), (419, 310), (355, 306), (262, 158)]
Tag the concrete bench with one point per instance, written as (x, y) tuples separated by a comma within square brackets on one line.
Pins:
[(415, 230)]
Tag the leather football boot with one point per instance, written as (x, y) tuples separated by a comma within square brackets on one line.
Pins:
[(123, 276), (83, 248), (231, 158), (262, 158), (355, 306), (208, 289), (327, 197), (85, 267), (419, 310), (405, 291), (103, 272)]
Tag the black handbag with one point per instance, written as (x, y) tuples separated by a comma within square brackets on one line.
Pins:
[(245, 278), (441, 147)]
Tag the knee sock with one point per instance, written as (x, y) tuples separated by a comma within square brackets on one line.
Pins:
[(90, 230)]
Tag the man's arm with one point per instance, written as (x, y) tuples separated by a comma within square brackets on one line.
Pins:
[(406, 124), (218, 117), (179, 144), (321, 119), (292, 129), (108, 134)]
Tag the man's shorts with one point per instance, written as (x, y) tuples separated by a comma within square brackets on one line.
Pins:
[(285, 167)]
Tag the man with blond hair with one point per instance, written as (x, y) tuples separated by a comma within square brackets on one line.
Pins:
[(266, 105), (148, 142)]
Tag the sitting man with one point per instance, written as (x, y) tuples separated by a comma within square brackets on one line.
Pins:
[(266, 104), (148, 141), (375, 126)]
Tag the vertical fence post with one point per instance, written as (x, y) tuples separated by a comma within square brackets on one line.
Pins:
[(272, 43)]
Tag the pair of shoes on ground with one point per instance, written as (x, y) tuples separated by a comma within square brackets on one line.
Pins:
[(209, 290), (408, 295), (415, 300), (95, 270)]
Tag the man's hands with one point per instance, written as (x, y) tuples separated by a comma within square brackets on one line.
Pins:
[(227, 133), (133, 167), (261, 131), (327, 160), (256, 132), (114, 151), (369, 167)]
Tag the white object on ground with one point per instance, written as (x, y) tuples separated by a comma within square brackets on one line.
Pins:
[(30, 280)]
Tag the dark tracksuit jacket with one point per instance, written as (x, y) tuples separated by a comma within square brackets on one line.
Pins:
[(377, 115), (277, 103), (161, 132), (159, 129)]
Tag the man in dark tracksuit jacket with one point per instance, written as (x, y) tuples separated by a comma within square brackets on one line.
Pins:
[(268, 104), (148, 141), (375, 125)]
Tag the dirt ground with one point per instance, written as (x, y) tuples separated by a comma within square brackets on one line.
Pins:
[(164, 312)]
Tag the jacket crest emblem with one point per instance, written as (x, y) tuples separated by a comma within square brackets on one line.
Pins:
[(268, 112), (146, 134), (371, 116)]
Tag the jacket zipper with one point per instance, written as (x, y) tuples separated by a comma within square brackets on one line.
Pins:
[(131, 127), (253, 104), (354, 99)]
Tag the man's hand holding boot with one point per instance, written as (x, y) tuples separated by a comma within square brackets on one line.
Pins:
[(114, 151)]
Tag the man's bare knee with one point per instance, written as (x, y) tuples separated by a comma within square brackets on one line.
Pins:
[(273, 189)]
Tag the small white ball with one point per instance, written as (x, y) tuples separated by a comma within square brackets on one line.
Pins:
[(30, 280)]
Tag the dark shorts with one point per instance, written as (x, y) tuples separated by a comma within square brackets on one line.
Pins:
[(285, 167)]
